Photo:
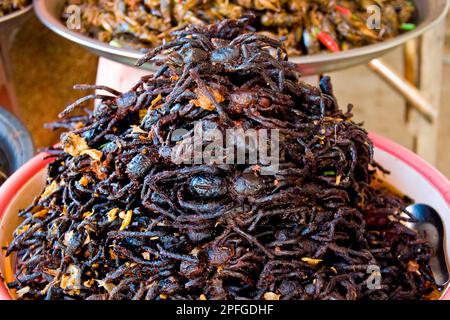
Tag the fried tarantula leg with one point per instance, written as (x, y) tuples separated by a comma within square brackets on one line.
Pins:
[(251, 239), (80, 101)]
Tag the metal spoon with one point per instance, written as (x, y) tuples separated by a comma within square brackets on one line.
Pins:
[(430, 226)]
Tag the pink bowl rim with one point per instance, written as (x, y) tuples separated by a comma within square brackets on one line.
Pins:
[(39, 162)]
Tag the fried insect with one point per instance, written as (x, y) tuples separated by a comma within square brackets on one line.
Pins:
[(119, 219), (9, 6), (3, 168)]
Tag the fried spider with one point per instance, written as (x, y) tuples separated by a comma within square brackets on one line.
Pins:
[(119, 219)]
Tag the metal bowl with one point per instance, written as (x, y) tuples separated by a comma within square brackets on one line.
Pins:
[(15, 142), (14, 19), (429, 13)]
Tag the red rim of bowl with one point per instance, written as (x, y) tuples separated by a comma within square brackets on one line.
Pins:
[(10, 188), (35, 165)]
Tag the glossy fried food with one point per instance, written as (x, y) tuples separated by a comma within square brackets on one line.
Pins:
[(309, 26), (119, 219)]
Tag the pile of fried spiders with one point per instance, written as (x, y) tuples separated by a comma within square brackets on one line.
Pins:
[(119, 219)]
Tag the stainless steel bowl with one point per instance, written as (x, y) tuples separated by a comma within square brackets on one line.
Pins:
[(429, 13), (16, 143), (14, 19)]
